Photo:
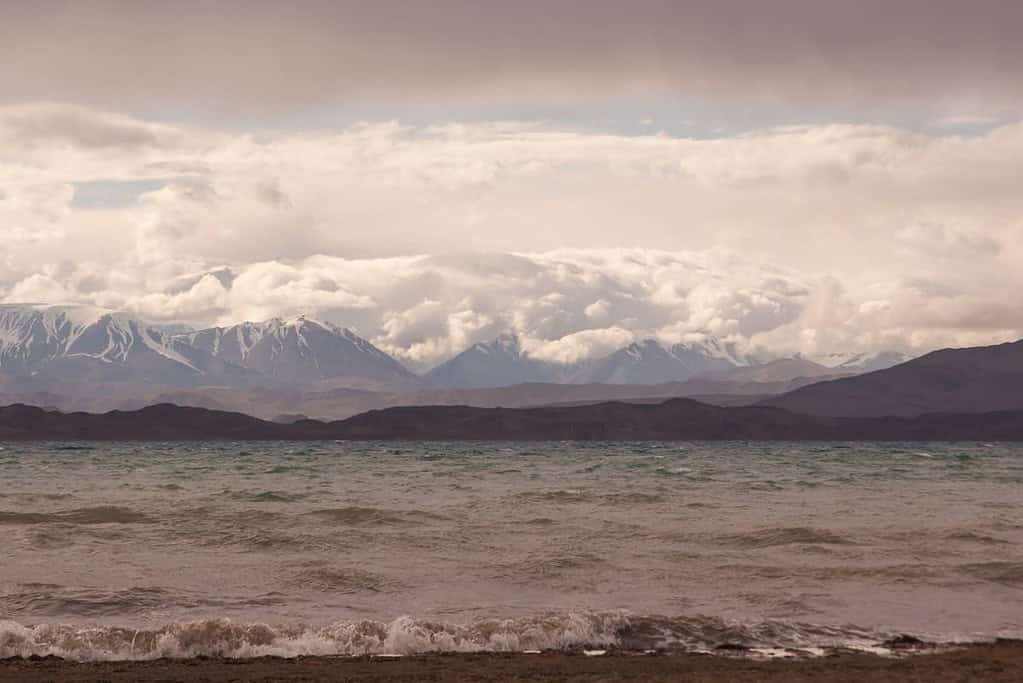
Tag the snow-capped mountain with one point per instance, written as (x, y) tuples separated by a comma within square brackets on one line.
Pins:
[(73, 343), (497, 363), (649, 362), (502, 363), (82, 344), (859, 363), (50, 347), (298, 350)]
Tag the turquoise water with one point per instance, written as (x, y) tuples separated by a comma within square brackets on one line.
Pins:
[(139, 550)]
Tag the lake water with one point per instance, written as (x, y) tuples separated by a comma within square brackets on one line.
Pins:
[(125, 550)]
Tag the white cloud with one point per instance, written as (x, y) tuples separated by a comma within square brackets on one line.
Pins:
[(580, 345), (598, 310), (427, 239)]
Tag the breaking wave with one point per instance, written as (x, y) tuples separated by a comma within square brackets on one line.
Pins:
[(407, 635)]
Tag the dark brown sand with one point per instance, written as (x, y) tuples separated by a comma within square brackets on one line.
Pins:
[(997, 662)]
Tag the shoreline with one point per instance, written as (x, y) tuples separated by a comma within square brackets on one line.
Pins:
[(998, 661)]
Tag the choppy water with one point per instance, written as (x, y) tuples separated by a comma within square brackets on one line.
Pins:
[(143, 550)]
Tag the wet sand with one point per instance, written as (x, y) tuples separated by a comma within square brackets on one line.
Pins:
[(1001, 661)]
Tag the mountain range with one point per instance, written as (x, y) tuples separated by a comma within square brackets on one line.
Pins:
[(503, 362), (80, 357), (43, 345), (86, 358)]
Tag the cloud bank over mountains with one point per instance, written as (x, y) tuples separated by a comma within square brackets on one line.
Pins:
[(426, 239)]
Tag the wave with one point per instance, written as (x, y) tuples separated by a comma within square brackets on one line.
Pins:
[(407, 635), (767, 538), (267, 496), (56, 601), (342, 580), (975, 537), (369, 516), (224, 638), (1008, 573), (557, 496), (541, 566), (53, 600), (102, 514), (632, 498)]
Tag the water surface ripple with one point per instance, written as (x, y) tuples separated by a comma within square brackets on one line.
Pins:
[(140, 550)]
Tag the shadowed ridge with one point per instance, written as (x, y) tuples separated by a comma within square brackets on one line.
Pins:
[(968, 380), (675, 419)]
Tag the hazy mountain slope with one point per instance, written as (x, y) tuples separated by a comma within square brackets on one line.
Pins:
[(498, 363), (502, 362), (969, 380), (781, 370), (859, 363), (648, 362)]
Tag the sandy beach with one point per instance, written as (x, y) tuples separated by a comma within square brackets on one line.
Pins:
[(1001, 661)]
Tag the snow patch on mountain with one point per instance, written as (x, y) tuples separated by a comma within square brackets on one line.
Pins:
[(33, 338)]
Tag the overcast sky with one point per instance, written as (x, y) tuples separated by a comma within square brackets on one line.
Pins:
[(800, 175)]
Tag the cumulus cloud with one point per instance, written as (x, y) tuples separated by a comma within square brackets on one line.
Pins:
[(544, 298), (429, 238), (581, 345), (192, 53)]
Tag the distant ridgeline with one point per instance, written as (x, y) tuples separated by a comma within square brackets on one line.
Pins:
[(675, 419)]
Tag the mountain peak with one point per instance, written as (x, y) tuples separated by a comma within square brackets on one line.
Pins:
[(648, 361), (508, 343), (499, 362), (301, 348), (74, 343)]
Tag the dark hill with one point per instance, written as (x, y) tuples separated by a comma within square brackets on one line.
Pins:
[(163, 422), (972, 380), (677, 419)]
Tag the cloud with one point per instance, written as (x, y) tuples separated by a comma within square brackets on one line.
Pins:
[(581, 345), (948, 241), (429, 238), (544, 297), (192, 54), (48, 123)]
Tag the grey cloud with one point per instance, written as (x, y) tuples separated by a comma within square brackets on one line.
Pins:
[(80, 127), (233, 54), (110, 194), (947, 241)]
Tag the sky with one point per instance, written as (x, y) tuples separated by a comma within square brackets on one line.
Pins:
[(800, 176)]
